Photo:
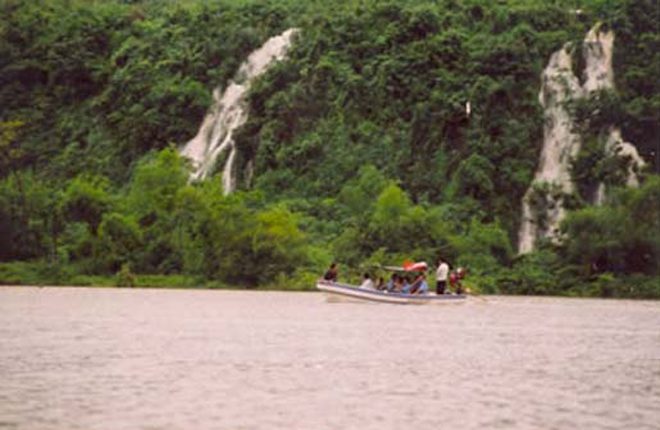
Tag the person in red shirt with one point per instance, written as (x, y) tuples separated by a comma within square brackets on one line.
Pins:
[(455, 280)]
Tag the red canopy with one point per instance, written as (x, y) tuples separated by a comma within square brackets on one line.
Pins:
[(415, 267), (409, 266)]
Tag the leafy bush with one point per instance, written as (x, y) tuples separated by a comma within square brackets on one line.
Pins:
[(535, 273), (622, 237), (35, 273)]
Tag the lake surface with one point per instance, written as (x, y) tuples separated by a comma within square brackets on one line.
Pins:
[(79, 358)]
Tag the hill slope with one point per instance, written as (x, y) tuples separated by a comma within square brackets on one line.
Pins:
[(360, 142)]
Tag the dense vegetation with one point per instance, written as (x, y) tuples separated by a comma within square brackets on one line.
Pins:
[(363, 149)]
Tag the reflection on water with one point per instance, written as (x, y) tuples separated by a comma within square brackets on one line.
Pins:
[(74, 358)]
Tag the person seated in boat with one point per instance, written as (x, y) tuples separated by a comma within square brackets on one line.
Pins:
[(398, 286), (392, 283), (332, 273), (367, 283), (420, 286), (380, 284), (415, 283), (405, 285)]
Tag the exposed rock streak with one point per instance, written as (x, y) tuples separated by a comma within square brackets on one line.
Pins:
[(560, 141), (216, 134)]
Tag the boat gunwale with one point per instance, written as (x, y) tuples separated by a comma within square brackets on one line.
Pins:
[(379, 295)]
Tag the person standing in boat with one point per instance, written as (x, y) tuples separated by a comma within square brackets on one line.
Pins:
[(441, 276), (332, 273)]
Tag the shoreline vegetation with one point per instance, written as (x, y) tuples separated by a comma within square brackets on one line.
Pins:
[(33, 275), (359, 149)]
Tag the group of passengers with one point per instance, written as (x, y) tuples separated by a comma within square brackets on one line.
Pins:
[(403, 284), (397, 284)]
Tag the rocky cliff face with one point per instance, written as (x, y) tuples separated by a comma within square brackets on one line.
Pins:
[(541, 214), (229, 111)]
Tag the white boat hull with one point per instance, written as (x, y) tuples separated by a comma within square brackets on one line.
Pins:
[(344, 292)]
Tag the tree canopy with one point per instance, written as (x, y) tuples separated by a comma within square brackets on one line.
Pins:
[(359, 147)]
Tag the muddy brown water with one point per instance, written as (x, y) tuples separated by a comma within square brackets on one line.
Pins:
[(81, 358)]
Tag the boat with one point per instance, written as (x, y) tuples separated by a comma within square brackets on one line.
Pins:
[(337, 291)]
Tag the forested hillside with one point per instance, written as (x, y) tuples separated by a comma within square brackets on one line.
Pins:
[(361, 146)]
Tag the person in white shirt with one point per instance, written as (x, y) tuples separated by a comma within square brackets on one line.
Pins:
[(367, 283), (441, 276)]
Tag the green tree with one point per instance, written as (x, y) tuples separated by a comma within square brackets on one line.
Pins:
[(484, 249), (120, 238), (86, 199), (28, 214), (278, 246), (151, 200), (473, 178), (620, 237)]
